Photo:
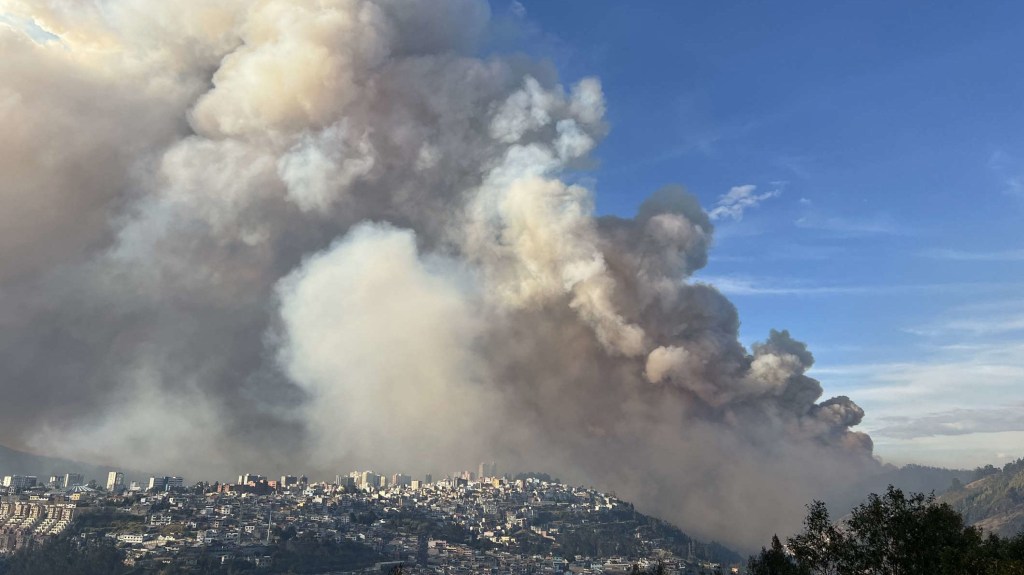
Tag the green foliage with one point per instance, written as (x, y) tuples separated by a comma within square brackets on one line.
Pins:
[(107, 520), (982, 472), (995, 500), (66, 555), (305, 554), (900, 535), (891, 534), (774, 561), (820, 546)]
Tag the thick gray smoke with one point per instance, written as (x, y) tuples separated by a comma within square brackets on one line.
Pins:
[(325, 235)]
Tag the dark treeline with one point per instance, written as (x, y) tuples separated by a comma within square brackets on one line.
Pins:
[(68, 556), (891, 534)]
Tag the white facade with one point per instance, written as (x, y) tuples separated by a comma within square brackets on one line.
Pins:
[(19, 481)]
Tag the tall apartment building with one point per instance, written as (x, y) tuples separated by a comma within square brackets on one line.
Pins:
[(19, 482), (165, 483), (487, 470), (73, 479), (115, 481), (368, 479)]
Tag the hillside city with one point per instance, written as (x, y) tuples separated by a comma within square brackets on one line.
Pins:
[(467, 522)]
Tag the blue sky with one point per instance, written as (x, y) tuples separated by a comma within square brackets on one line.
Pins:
[(887, 141)]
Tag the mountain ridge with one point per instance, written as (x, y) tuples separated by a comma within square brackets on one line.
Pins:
[(993, 499)]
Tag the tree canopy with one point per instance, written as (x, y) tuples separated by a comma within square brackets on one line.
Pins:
[(891, 534)]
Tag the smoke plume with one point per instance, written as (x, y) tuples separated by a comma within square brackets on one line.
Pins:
[(329, 234)]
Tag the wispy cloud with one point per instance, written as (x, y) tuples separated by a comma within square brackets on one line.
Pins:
[(979, 326), (1008, 169), (738, 199), (879, 224), (750, 286), (698, 135), (956, 421), (981, 376), (953, 405), (958, 255), (799, 166), (742, 285), (784, 251), (978, 320)]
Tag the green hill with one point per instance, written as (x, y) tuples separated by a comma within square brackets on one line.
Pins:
[(994, 500)]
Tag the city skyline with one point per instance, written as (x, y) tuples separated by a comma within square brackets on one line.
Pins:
[(501, 525)]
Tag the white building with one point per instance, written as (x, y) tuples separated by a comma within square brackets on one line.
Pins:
[(115, 481), (134, 537), (247, 478), (165, 483), (19, 482), (368, 479)]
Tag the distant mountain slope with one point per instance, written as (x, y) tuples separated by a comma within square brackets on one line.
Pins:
[(909, 478), (14, 462), (994, 501)]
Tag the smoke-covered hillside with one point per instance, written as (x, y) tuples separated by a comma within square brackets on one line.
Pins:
[(14, 462), (909, 478)]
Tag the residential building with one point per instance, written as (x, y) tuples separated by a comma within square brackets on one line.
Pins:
[(115, 481)]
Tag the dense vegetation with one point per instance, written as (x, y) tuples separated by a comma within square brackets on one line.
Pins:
[(892, 534), (66, 555), (993, 500)]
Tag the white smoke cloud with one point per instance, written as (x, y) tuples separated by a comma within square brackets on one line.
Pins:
[(383, 340), (328, 235), (321, 167)]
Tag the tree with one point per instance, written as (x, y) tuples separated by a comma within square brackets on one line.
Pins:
[(821, 547), (774, 561), (894, 534), (891, 534), (65, 555)]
